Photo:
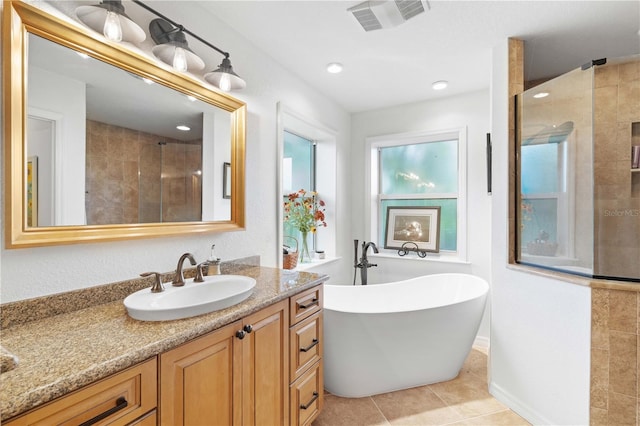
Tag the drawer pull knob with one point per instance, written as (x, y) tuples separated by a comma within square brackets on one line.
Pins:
[(308, 404), (121, 403), (313, 302), (248, 328), (240, 334), (308, 348)]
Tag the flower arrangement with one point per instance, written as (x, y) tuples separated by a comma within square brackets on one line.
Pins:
[(304, 211)]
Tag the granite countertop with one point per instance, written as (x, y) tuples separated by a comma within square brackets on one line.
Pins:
[(60, 353)]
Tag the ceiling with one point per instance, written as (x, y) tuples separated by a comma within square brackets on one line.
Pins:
[(452, 41)]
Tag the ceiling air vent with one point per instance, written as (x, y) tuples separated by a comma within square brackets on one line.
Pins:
[(409, 8), (375, 15), (365, 16)]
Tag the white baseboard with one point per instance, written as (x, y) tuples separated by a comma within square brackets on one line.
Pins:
[(516, 405)]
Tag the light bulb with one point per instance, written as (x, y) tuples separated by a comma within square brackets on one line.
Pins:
[(112, 29), (225, 82), (180, 60)]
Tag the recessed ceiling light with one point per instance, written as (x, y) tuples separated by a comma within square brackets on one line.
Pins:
[(183, 128), (439, 85), (334, 67), (541, 95)]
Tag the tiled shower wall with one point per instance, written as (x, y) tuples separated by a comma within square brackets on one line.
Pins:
[(614, 357), (122, 164), (616, 187), (615, 314)]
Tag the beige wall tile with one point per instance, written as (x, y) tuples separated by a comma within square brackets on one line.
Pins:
[(599, 417), (606, 76), (629, 71), (622, 410), (623, 311), (600, 397), (623, 364)]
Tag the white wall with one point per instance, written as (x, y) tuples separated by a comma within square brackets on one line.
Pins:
[(65, 97), (34, 272), (469, 110), (540, 328)]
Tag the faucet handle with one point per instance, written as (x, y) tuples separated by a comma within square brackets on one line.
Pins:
[(157, 285), (199, 272)]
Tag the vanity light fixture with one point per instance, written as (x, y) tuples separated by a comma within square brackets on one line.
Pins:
[(439, 85), (334, 67), (109, 18), (183, 128), (224, 78), (540, 95), (172, 47)]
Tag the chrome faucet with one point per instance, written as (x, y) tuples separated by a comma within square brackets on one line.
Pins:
[(178, 281), (364, 264)]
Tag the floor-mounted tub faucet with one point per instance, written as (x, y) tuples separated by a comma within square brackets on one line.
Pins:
[(364, 264)]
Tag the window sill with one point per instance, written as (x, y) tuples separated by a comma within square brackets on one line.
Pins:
[(431, 257), (315, 263)]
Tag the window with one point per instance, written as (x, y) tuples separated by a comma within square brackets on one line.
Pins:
[(424, 170), (544, 197), (298, 170)]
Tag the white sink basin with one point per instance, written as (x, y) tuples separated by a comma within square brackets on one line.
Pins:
[(215, 293)]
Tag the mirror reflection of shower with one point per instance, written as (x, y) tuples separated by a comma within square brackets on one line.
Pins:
[(170, 182)]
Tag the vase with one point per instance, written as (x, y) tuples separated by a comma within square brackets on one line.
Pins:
[(304, 257)]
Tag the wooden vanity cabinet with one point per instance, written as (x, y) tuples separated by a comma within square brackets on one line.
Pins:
[(125, 398), (306, 340), (264, 369), (236, 375)]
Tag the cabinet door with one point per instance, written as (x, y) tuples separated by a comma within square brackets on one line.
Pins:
[(200, 380), (266, 366)]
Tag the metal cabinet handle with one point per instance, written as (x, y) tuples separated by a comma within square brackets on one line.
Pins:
[(308, 348), (248, 328), (313, 302), (240, 334), (308, 404), (121, 403)]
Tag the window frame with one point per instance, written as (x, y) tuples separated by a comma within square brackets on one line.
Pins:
[(374, 198)]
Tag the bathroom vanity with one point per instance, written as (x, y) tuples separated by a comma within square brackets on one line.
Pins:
[(258, 362)]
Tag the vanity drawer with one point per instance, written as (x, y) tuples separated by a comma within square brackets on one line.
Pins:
[(305, 340), (307, 396), (116, 400), (306, 303)]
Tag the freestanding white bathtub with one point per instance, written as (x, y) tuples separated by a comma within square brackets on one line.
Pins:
[(386, 337)]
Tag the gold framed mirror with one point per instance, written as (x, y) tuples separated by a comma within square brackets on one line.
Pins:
[(24, 24)]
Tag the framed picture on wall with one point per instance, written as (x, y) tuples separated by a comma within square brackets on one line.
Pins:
[(226, 181), (418, 225)]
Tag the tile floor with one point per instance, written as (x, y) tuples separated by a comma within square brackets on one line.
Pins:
[(464, 400)]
